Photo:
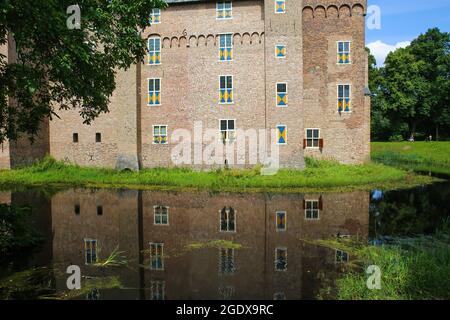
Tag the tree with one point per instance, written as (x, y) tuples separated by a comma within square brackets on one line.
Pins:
[(61, 68)]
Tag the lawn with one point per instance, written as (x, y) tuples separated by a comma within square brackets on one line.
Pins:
[(320, 176), (419, 156)]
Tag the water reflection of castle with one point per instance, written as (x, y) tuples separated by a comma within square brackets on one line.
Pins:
[(155, 229)]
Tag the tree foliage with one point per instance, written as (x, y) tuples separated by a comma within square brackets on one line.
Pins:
[(412, 89), (61, 68)]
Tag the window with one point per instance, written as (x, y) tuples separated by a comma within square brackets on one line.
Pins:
[(226, 292), (224, 10), (226, 261), (99, 210), (344, 98), (161, 215), (75, 138), (155, 16), (157, 290), (280, 6), (90, 251), (154, 92), (156, 256), (226, 47), (341, 256), (154, 51), (280, 51), (226, 90), (227, 130), (281, 134), (280, 259), (77, 209), (227, 220), (98, 137), (281, 221), (312, 209), (160, 134), (312, 138), (343, 52), (282, 95)]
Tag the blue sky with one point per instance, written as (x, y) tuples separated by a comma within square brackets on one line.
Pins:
[(403, 20)]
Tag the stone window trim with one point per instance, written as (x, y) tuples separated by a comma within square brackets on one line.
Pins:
[(155, 43), (226, 46), (160, 214), (229, 89), (348, 52), (312, 208), (227, 134), (278, 254), (155, 16), (166, 135), (344, 97), (276, 51), (311, 141), (286, 135), (222, 13), (280, 3), (283, 92), (285, 221)]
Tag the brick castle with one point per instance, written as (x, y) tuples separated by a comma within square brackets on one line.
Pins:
[(297, 67)]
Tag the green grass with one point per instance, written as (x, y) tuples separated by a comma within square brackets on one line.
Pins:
[(411, 269), (419, 156), (320, 176)]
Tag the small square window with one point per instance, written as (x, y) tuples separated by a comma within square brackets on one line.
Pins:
[(280, 51), (224, 10), (75, 138), (98, 137), (280, 6), (99, 210)]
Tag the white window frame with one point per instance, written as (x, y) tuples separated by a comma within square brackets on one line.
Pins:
[(349, 52), (275, 260), (349, 96), (228, 222), (285, 221), (90, 241), (276, 12), (276, 94), (312, 210), (227, 130), (276, 47), (217, 10), (154, 51), (161, 244), (232, 88), (160, 214), (231, 46), (160, 135), (278, 140), (152, 14), (148, 91), (318, 139)]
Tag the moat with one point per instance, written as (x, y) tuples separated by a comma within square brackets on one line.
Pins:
[(173, 245)]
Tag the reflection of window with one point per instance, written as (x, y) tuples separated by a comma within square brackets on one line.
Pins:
[(279, 296), (280, 259), (227, 220), (228, 130), (161, 215), (226, 261), (341, 256), (90, 251), (156, 256), (312, 209), (226, 292), (281, 221), (224, 10), (94, 294), (157, 290)]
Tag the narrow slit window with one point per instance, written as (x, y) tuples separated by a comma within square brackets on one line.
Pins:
[(75, 138), (98, 137)]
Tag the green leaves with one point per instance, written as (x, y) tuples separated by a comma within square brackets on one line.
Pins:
[(56, 67)]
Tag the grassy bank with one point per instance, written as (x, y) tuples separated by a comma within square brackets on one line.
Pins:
[(320, 176), (411, 269), (419, 156)]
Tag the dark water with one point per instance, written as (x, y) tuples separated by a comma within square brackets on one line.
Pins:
[(196, 245)]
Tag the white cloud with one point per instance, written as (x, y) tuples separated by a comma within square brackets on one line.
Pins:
[(380, 49)]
